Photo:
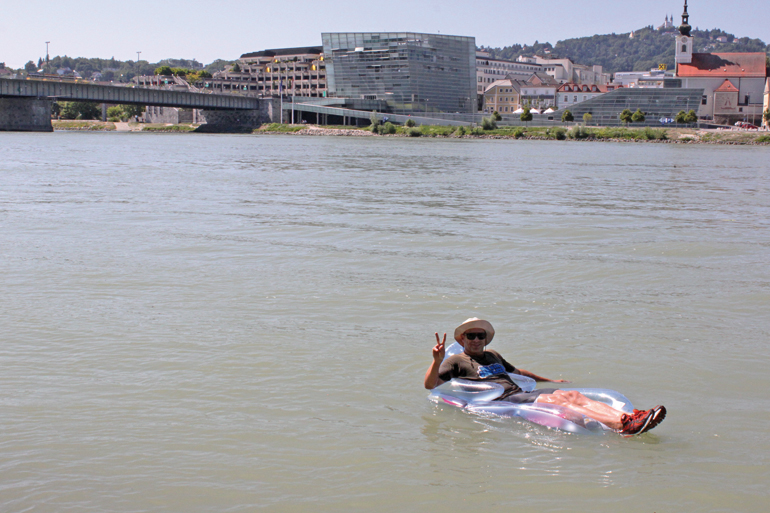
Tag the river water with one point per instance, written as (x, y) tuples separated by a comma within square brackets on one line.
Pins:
[(202, 323)]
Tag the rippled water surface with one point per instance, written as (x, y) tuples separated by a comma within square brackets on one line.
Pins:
[(229, 323)]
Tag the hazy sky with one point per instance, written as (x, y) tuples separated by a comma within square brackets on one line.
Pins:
[(212, 29)]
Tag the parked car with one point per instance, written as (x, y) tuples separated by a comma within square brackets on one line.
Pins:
[(745, 126)]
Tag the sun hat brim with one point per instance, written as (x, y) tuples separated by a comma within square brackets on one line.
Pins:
[(475, 323)]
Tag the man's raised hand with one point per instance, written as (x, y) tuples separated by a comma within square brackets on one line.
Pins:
[(438, 350)]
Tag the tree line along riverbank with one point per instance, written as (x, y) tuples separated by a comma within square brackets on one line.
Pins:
[(573, 133)]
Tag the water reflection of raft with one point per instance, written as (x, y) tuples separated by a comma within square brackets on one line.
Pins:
[(478, 397)]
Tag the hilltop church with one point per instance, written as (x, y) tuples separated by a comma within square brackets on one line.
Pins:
[(734, 84)]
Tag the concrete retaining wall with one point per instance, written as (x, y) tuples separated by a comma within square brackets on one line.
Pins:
[(25, 115), (173, 115)]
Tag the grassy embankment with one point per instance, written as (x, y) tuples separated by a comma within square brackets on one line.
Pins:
[(88, 125), (160, 127)]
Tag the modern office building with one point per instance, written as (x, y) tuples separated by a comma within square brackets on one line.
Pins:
[(411, 72)]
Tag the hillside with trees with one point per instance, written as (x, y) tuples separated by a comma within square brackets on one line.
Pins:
[(113, 70), (647, 49)]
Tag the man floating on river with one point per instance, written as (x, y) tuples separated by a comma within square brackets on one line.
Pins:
[(476, 363)]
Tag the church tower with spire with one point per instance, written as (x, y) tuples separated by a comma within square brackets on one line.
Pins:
[(684, 41)]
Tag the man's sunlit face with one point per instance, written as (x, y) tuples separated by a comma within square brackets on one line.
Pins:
[(473, 341)]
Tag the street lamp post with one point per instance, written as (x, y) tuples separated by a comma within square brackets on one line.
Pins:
[(137, 56), (46, 52)]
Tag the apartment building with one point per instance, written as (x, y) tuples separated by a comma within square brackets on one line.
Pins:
[(489, 70), (293, 71), (510, 94)]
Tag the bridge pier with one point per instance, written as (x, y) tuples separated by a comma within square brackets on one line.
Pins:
[(25, 115)]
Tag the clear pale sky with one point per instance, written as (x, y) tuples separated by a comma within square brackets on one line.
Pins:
[(212, 29)]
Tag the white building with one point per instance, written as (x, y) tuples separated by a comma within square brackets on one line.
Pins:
[(489, 70), (564, 71), (570, 94)]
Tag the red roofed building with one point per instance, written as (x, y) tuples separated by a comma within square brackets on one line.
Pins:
[(569, 94), (733, 83), (710, 65)]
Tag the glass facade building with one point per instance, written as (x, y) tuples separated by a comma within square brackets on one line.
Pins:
[(655, 103), (411, 72)]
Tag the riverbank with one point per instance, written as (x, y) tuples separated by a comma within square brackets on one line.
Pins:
[(109, 126), (574, 133)]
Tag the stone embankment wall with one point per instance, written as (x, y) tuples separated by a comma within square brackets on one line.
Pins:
[(234, 120), (25, 115), (174, 115)]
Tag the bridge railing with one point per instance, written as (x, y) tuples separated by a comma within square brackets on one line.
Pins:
[(58, 90)]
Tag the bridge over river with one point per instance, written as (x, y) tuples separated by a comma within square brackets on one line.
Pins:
[(26, 104)]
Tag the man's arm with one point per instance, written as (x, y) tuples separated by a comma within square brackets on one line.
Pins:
[(431, 375), (539, 378)]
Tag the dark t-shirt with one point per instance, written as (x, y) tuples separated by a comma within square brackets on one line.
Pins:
[(490, 366)]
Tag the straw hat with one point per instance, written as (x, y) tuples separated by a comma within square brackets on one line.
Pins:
[(472, 323)]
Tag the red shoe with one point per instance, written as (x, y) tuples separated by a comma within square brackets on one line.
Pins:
[(642, 421), (637, 423), (658, 414)]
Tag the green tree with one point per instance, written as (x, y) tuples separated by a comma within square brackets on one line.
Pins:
[(132, 110), (115, 112), (164, 71), (496, 116), (567, 117), (409, 123), (30, 67), (638, 116), (626, 116), (587, 117), (80, 110), (766, 117), (691, 117), (488, 123), (526, 116), (681, 117), (236, 68)]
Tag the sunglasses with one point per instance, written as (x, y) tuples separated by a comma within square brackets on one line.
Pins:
[(474, 336)]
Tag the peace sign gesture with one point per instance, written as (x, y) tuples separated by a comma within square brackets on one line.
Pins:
[(438, 350)]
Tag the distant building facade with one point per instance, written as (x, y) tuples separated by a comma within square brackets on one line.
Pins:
[(412, 72), (564, 71), (733, 83), (510, 94), (569, 95), (489, 70), (287, 71)]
